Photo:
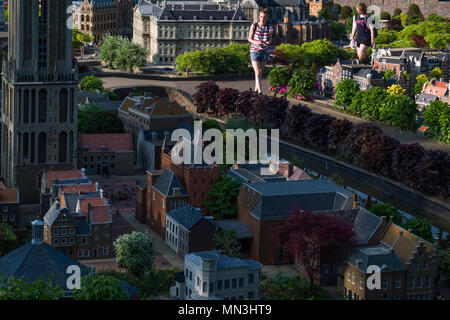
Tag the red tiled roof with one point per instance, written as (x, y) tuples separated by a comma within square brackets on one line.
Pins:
[(439, 88), (100, 214), (93, 201), (78, 187), (112, 141), (62, 174)]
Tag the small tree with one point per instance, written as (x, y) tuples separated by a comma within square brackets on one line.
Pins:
[(387, 210), (322, 13), (388, 74), (396, 89), (420, 227), (301, 83), (384, 15), (432, 114), (279, 76), (436, 73), (224, 193), (135, 252), (95, 119), (397, 12), (414, 10), (99, 287), (130, 55), (109, 48), (307, 235), (346, 12), (91, 83), (227, 242), (20, 289), (8, 239), (421, 79), (400, 111), (345, 91)]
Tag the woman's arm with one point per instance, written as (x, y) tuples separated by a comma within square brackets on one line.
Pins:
[(372, 33), (251, 35), (353, 30)]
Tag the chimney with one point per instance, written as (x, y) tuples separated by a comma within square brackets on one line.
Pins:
[(89, 212), (37, 228), (96, 186), (198, 210), (355, 203), (290, 170), (101, 193)]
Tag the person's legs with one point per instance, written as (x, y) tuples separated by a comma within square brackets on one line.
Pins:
[(362, 51), (255, 65), (261, 70)]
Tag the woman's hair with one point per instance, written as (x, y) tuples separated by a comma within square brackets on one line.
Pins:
[(362, 7), (266, 11)]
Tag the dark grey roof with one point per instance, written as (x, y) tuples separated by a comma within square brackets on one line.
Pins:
[(364, 72), (186, 216), (376, 255), (52, 214), (366, 223), (167, 182), (148, 134), (425, 98), (83, 228), (32, 261), (242, 230), (143, 184), (244, 175)]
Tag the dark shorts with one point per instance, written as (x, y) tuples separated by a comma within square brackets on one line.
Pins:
[(366, 42), (260, 56)]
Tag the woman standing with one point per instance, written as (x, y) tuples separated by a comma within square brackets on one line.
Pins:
[(365, 31), (260, 37)]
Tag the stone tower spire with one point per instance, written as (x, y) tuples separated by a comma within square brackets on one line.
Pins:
[(39, 83)]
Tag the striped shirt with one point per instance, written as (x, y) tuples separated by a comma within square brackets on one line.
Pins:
[(261, 34)]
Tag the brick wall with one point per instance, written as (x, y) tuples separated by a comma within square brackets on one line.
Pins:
[(427, 7)]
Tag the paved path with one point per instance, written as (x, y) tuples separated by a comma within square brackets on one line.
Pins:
[(171, 257), (189, 87)]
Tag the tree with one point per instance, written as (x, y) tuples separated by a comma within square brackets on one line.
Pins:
[(419, 40), (436, 73), (387, 210), (445, 264), (98, 287), (337, 30), (20, 289), (414, 10), (444, 122), (135, 252), (307, 235), (130, 55), (356, 140), (384, 15), (397, 12), (279, 76), (302, 83), (420, 227), (109, 49), (8, 239), (226, 241), (321, 52), (385, 37), (346, 12), (396, 89), (91, 83), (225, 99), (421, 79), (224, 192), (431, 116), (438, 40), (287, 288), (394, 25), (322, 13), (345, 91), (291, 52), (400, 111), (210, 124), (95, 119), (377, 154)]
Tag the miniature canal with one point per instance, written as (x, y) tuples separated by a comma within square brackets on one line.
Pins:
[(407, 207)]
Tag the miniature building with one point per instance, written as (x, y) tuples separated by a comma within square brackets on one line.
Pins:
[(188, 231), (210, 275), (9, 207), (433, 91), (105, 154)]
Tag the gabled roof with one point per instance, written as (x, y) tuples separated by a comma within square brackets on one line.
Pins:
[(437, 89), (242, 230), (186, 216), (101, 214), (53, 213), (9, 195), (53, 175), (93, 201), (166, 183)]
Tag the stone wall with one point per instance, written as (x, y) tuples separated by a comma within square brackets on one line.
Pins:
[(427, 7)]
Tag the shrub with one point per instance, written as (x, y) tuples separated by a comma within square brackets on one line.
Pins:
[(337, 30), (291, 52), (279, 76), (205, 96), (420, 227), (387, 210), (396, 89), (268, 110), (345, 91), (377, 153), (395, 24), (434, 173), (436, 73), (397, 12), (386, 36), (346, 12), (99, 287), (225, 99), (421, 79), (296, 117), (8, 239), (301, 83), (399, 111), (91, 83), (405, 160), (316, 131), (339, 130), (419, 40), (370, 104), (355, 141), (388, 74), (243, 103), (356, 106), (211, 124), (432, 115), (444, 123), (384, 15)]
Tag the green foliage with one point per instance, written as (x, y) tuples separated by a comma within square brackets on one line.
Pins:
[(349, 24), (387, 210), (366, 103), (414, 10), (19, 289), (445, 264), (301, 83), (8, 239), (130, 55), (279, 76), (421, 79), (396, 89), (296, 161), (155, 283), (432, 115), (95, 119), (296, 288), (211, 124), (386, 36), (98, 287), (224, 193), (322, 13), (444, 122), (420, 227), (345, 91), (293, 53), (388, 74), (384, 15), (321, 52), (91, 83), (234, 58), (397, 11), (337, 30), (346, 12), (227, 242), (135, 252), (400, 111), (435, 73), (109, 49)]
